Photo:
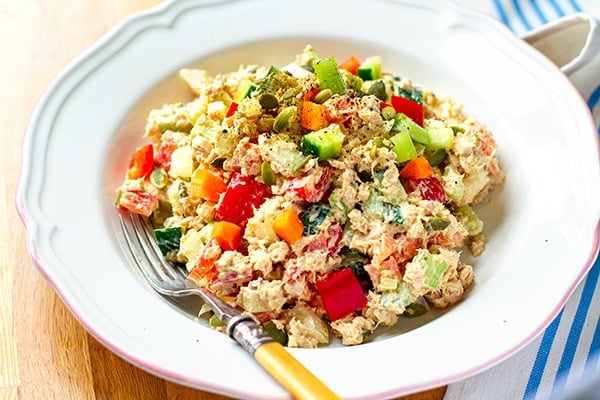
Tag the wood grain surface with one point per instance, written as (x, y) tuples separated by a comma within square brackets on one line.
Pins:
[(44, 352)]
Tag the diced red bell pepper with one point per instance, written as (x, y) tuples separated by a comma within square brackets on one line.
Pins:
[(244, 194), (138, 202), (232, 109), (310, 190), (341, 293), (411, 109), (141, 163), (429, 188), (163, 155)]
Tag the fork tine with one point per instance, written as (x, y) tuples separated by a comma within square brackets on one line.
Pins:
[(136, 251), (145, 232)]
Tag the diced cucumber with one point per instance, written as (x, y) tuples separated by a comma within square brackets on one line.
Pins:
[(370, 69), (380, 209), (435, 157), (414, 94), (168, 239), (398, 299), (313, 217), (325, 143), (244, 90), (329, 76), (338, 205), (356, 261), (440, 137), (403, 147), (291, 160)]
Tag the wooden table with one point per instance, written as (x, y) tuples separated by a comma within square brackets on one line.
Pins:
[(44, 351)]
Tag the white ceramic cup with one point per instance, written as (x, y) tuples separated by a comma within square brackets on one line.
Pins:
[(573, 44)]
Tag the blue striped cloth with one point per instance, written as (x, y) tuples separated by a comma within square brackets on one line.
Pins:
[(564, 361)]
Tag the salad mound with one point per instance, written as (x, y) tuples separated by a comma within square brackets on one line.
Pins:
[(320, 197)]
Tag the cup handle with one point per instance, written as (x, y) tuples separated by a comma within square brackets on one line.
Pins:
[(573, 44)]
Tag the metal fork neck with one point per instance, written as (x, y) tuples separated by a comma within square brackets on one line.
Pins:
[(247, 332)]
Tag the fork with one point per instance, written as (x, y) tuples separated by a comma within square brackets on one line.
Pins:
[(170, 280)]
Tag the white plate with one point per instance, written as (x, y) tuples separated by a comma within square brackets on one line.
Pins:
[(542, 225)]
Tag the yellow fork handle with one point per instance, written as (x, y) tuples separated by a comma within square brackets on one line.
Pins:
[(292, 375)]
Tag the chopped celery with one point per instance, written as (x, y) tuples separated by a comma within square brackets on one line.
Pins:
[(403, 147), (435, 157), (338, 205), (466, 215), (404, 123), (329, 75), (325, 143), (452, 181), (168, 239), (433, 267), (370, 69), (440, 137)]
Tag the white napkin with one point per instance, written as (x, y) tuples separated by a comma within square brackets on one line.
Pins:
[(564, 361)]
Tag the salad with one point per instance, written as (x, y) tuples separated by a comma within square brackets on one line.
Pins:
[(322, 197)]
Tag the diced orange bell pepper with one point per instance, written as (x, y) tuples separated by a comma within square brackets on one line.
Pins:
[(417, 168), (227, 235), (206, 185), (313, 116), (288, 226), (351, 65)]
